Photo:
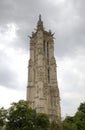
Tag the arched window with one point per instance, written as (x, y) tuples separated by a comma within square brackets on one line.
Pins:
[(44, 46), (47, 52), (48, 76)]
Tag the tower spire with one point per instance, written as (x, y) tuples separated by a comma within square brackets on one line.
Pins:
[(40, 23), (39, 17)]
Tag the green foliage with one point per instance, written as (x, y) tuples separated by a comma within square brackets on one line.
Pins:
[(20, 116), (77, 122), (53, 125), (69, 124), (56, 125), (79, 117), (82, 108), (42, 122), (3, 114)]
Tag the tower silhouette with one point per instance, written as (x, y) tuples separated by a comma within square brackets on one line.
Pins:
[(42, 87)]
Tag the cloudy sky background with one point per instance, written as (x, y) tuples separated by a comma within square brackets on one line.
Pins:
[(66, 18)]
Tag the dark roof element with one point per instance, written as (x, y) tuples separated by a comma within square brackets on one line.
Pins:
[(40, 24)]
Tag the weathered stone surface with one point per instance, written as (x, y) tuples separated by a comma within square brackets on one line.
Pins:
[(42, 88)]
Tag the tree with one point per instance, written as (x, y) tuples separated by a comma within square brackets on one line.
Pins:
[(56, 125), (42, 122), (69, 124), (79, 117), (82, 108), (20, 116), (3, 114), (77, 122)]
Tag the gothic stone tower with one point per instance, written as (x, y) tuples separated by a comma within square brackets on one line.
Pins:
[(42, 88)]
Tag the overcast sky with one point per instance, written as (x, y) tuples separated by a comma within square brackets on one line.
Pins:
[(18, 18)]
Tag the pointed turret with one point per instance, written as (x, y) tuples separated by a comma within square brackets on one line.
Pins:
[(39, 24)]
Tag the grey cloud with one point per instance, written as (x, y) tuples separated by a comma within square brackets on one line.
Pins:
[(18, 11), (7, 75), (71, 79), (23, 40), (66, 20)]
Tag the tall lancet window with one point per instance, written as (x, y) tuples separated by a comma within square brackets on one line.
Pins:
[(44, 46), (47, 53), (48, 75), (34, 53)]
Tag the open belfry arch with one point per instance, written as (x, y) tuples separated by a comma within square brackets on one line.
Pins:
[(42, 87)]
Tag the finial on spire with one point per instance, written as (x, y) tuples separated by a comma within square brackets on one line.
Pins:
[(39, 17), (40, 23)]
